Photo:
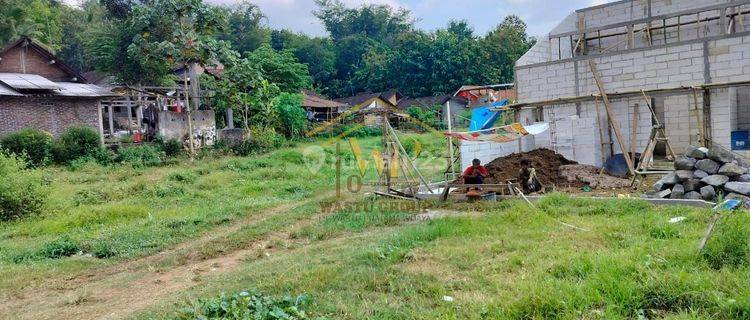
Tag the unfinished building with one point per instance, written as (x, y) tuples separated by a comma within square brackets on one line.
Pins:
[(689, 58)]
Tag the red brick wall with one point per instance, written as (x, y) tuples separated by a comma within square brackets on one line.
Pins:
[(50, 114), (35, 64)]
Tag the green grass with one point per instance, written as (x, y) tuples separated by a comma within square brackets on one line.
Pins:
[(99, 215), (508, 262)]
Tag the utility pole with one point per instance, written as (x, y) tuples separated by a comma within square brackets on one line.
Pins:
[(190, 119)]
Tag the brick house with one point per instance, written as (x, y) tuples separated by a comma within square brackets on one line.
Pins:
[(38, 90)]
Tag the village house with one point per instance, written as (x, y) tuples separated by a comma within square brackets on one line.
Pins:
[(38, 90), (371, 106), (456, 104), (320, 108)]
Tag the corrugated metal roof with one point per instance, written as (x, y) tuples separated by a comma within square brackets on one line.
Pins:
[(22, 81), (71, 89), (6, 91)]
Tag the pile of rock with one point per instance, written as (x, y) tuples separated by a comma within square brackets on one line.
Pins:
[(706, 174)]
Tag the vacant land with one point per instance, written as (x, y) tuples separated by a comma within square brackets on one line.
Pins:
[(118, 242)]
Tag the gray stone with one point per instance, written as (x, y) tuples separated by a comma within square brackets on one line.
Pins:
[(678, 192), (664, 194), (696, 153), (670, 179), (684, 175), (736, 196), (715, 180), (692, 185), (718, 154), (738, 187), (693, 195), (708, 165), (684, 163), (732, 170), (744, 178), (708, 193), (700, 174)]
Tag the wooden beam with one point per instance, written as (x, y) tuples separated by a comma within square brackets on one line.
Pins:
[(634, 130), (610, 115)]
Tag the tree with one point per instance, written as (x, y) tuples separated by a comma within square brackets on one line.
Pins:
[(245, 30), (281, 68), (504, 46), (319, 54), (39, 19), (291, 114)]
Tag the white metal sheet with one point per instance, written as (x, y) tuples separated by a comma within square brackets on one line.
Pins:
[(71, 89), (6, 91), (22, 81)]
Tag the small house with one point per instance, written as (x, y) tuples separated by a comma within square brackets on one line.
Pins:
[(321, 109), (371, 106), (37, 90)]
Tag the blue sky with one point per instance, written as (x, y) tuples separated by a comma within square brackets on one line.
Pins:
[(483, 15)]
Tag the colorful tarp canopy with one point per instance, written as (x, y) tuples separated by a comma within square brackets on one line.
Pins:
[(483, 118), (501, 134)]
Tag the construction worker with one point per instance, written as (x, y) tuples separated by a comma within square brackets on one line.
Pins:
[(528, 179), (476, 173)]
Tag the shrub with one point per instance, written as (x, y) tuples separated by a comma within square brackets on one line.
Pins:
[(247, 305), (22, 191), (63, 246), (293, 118), (33, 144), (261, 140), (730, 245), (75, 143), (140, 156), (170, 147)]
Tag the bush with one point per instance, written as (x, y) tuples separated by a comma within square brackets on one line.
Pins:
[(261, 140), (141, 156), (22, 191), (293, 118), (61, 247), (33, 144), (247, 305), (76, 143), (170, 147)]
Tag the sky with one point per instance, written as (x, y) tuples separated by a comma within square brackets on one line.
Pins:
[(483, 15)]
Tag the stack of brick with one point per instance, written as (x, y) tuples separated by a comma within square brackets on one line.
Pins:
[(706, 174)]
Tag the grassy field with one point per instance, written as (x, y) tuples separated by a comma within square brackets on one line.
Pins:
[(145, 243)]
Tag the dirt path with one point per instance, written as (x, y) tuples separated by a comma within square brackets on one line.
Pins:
[(114, 292)]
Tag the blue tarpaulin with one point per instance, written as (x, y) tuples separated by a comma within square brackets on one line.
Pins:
[(484, 117)]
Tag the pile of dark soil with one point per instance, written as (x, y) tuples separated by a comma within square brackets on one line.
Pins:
[(546, 162)]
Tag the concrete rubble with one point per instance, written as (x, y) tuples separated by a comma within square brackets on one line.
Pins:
[(706, 174)]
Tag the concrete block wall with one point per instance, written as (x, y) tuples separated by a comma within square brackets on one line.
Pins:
[(743, 108), (622, 11), (487, 151)]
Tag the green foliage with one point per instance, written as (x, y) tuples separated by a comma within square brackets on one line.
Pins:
[(292, 117), (426, 118), (730, 245), (261, 140), (245, 30), (170, 147), (281, 68), (183, 176), (39, 19), (32, 144), (22, 191), (63, 246), (141, 156), (75, 143), (247, 305)]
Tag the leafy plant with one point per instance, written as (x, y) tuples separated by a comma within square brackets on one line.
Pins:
[(170, 147), (76, 143), (140, 156), (261, 140), (35, 145), (22, 191), (63, 246), (247, 305)]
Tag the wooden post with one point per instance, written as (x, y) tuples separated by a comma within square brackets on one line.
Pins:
[(610, 115), (139, 109), (130, 112), (451, 160), (190, 120), (101, 122), (111, 114), (634, 131)]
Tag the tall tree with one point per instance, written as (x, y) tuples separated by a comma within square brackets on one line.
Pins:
[(281, 68), (319, 54), (245, 30), (503, 46), (39, 19)]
